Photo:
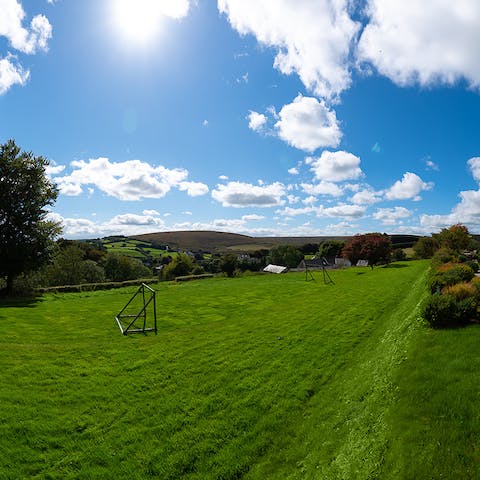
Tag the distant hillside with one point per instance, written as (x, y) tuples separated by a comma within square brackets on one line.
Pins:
[(217, 242)]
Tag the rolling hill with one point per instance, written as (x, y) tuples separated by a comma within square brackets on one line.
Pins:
[(219, 242)]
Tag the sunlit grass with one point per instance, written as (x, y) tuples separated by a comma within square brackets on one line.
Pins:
[(253, 377)]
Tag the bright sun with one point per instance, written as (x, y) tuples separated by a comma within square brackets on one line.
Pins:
[(137, 21)]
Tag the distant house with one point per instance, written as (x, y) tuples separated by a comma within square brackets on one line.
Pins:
[(341, 262), (314, 263), (362, 263)]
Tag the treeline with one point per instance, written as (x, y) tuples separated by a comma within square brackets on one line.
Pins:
[(91, 262)]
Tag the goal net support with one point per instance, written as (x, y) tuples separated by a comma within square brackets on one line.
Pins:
[(139, 315)]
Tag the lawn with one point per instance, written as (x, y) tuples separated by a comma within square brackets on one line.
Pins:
[(253, 377)]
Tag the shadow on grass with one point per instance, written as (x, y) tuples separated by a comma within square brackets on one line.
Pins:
[(395, 265), (19, 301)]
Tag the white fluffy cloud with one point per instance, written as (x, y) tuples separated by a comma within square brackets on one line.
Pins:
[(253, 216), (311, 38), (410, 42), (239, 194), (256, 120), (155, 213), (11, 73), (308, 124), (21, 39), (26, 40), (425, 43), (335, 166), (408, 188), (366, 197), (129, 180), (341, 210), (322, 188), (193, 189), (131, 219), (474, 165), (390, 216), (466, 212), (125, 224), (345, 211)]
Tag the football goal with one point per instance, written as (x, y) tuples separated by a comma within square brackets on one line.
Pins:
[(139, 315)]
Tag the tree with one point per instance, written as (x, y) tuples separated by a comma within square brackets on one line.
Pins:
[(228, 264), (67, 266), (181, 265), (455, 238), (374, 247), (309, 248), (425, 247), (120, 267), (26, 236), (286, 255), (330, 248)]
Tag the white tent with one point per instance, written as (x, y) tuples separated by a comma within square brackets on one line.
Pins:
[(275, 269)]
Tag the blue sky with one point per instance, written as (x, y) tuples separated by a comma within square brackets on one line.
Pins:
[(265, 117)]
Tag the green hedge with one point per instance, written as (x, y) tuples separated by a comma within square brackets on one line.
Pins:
[(86, 287), (187, 278)]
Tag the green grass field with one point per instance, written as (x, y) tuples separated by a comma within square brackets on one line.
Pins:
[(261, 377), (135, 248)]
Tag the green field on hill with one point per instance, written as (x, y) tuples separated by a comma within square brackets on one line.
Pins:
[(259, 377)]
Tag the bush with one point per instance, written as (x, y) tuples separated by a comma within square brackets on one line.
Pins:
[(398, 255), (473, 264), (181, 265), (443, 255), (449, 274), (461, 291), (445, 311)]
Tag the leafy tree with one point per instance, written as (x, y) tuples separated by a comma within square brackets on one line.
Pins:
[(92, 272), (456, 238), (181, 265), (66, 268), (426, 247), (309, 248), (398, 255), (228, 264), (374, 247), (26, 236), (330, 248), (285, 255), (119, 268)]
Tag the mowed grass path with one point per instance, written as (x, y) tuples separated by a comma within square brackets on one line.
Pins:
[(254, 377)]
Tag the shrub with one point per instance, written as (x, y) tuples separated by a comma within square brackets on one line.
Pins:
[(449, 275), (398, 255), (444, 310), (443, 255), (461, 291), (181, 265), (447, 266), (425, 247), (198, 270), (473, 264)]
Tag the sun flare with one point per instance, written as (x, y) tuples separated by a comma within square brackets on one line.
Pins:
[(137, 21)]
